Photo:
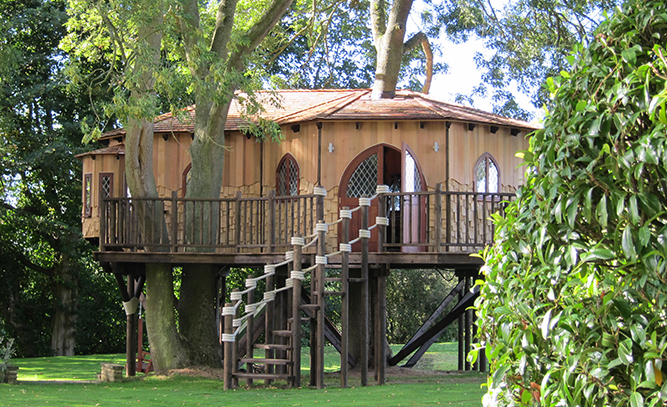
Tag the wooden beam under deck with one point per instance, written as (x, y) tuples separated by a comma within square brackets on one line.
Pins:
[(394, 260)]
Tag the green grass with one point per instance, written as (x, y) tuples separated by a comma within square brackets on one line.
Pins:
[(41, 383)]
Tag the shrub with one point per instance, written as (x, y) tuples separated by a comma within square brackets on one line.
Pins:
[(573, 308)]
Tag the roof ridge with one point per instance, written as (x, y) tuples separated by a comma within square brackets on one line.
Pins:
[(351, 94)]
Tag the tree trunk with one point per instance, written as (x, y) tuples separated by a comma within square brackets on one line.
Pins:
[(63, 334), (197, 315), (389, 45), (167, 350)]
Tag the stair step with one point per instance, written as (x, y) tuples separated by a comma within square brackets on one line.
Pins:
[(282, 333), (269, 376), (264, 361), (333, 279), (333, 293), (303, 320), (272, 346), (356, 280), (310, 306)]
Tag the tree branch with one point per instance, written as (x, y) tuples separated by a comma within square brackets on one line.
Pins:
[(421, 38), (378, 20)]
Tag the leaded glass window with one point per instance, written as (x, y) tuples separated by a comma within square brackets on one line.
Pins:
[(87, 194), (487, 175), (363, 181), (106, 184), (413, 183), (287, 183)]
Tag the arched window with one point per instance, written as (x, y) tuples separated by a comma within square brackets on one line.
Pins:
[(487, 174), (287, 176)]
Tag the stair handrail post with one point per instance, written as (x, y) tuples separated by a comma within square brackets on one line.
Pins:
[(364, 291), (250, 333), (438, 217), (320, 261), (235, 343), (346, 215), (237, 218), (227, 338), (297, 277), (382, 190), (271, 221)]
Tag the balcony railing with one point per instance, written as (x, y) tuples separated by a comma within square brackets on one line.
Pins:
[(433, 221)]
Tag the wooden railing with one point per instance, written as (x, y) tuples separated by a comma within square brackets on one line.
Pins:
[(434, 221)]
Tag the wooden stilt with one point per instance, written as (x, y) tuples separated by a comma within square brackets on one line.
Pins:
[(235, 350), (364, 298), (228, 349), (345, 303), (468, 326), (131, 337), (461, 353), (249, 344), (296, 319), (381, 331), (321, 246), (269, 326)]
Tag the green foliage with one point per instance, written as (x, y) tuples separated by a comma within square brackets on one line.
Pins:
[(412, 296), (572, 312)]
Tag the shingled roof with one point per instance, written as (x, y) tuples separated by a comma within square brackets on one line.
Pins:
[(339, 104)]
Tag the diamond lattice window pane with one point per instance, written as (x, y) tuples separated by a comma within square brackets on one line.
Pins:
[(364, 179), (480, 176), (106, 186), (414, 181), (282, 179), (493, 177), (293, 178)]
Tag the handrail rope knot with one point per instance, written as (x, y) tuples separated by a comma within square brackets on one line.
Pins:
[(299, 275), (364, 201), (228, 311), (269, 268), (382, 220), (364, 233), (321, 227), (269, 296), (298, 241), (237, 322), (228, 337), (289, 283), (345, 247), (382, 189), (321, 191), (289, 255), (250, 283), (321, 260), (236, 296), (251, 308), (345, 214)]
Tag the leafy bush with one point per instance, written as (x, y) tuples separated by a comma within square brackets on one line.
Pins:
[(573, 308)]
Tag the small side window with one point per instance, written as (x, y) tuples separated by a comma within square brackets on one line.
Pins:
[(487, 175), (87, 195), (106, 184), (287, 176)]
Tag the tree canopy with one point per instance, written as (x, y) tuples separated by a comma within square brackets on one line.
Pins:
[(572, 312)]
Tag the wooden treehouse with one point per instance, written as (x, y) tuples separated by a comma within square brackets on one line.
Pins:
[(358, 187)]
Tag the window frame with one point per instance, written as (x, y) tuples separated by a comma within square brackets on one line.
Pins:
[(285, 160), (485, 159), (87, 200), (111, 183)]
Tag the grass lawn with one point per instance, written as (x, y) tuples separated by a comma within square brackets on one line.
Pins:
[(42, 383)]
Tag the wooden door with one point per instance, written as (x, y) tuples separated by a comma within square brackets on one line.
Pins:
[(379, 164)]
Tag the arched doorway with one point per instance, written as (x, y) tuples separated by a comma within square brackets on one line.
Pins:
[(399, 169)]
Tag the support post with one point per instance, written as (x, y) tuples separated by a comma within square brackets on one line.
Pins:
[(237, 222), (249, 345), (272, 221), (364, 293), (468, 323), (382, 213), (229, 346), (235, 347), (297, 276), (438, 217), (345, 299), (101, 210), (174, 221), (381, 327), (321, 275), (269, 325), (461, 353), (131, 344)]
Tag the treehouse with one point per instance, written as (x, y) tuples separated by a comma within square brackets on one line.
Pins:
[(408, 182)]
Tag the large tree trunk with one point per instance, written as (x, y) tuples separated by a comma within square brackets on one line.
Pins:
[(65, 294), (388, 44), (197, 314), (167, 351)]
